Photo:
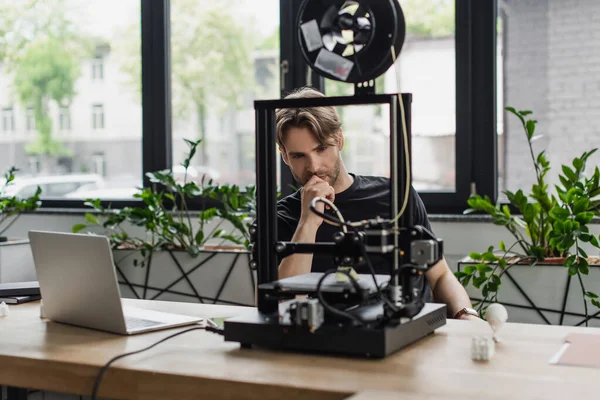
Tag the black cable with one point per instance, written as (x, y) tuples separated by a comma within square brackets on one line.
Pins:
[(420, 302), (112, 360), (372, 270), (331, 308), (331, 218)]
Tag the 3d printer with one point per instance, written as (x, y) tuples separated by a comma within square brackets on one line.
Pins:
[(346, 313)]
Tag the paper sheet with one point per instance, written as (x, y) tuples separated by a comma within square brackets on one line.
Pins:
[(579, 349)]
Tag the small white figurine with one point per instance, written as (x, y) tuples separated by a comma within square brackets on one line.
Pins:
[(42, 314), (496, 315), (3, 309), (482, 348)]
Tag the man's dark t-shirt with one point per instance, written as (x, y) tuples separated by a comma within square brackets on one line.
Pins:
[(367, 197)]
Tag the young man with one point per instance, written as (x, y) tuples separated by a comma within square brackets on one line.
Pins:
[(311, 141)]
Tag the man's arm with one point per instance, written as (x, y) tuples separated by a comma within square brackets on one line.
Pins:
[(306, 231), (447, 289), (298, 264)]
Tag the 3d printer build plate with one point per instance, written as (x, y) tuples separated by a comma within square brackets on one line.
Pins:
[(262, 330)]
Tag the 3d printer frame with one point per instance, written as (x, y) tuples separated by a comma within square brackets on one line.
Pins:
[(264, 256), (267, 327)]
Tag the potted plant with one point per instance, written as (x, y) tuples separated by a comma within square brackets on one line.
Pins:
[(165, 251), (549, 229), (16, 262)]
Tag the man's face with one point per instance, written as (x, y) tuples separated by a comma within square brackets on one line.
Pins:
[(307, 157)]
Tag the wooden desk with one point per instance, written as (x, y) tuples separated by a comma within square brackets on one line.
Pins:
[(44, 355)]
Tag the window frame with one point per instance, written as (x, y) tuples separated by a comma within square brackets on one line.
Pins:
[(8, 118), (98, 68), (64, 119), (476, 136), (98, 117)]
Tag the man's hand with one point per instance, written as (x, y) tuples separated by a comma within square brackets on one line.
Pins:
[(315, 187)]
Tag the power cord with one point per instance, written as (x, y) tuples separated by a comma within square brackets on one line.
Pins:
[(211, 328), (331, 308), (404, 137)]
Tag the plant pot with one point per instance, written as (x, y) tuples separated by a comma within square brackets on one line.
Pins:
[(544, 293), (214, 276), (16, 261)]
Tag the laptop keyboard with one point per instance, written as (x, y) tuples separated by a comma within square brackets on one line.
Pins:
[(138, 323)]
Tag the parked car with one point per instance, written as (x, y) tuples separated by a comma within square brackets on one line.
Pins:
[(53, 185)]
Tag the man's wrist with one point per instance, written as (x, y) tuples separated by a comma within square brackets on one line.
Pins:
[(466, 313), (309, 225)]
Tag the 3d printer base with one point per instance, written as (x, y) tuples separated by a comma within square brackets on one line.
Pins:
[(266, 331)]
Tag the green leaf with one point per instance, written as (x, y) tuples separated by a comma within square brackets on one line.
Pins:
[(502, 246), (559, 213), (475, 256), (199, 237), (584, 266), (530, 127), (466, 280), (581, 205), (520, 222), (483, 268), (591, 295), (218, 233), (582, 253), (78, 227), (495, 279), (477, 282), (569, 173), (595, 302), (584, 217), (470, 269), (570, 260), (91, 218)]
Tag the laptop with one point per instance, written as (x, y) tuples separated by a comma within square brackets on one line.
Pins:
[(79, 286)]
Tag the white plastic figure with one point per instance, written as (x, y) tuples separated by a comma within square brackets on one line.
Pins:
[(482, 348), (3, 309), (496, 315)]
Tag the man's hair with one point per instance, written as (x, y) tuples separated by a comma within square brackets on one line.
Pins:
[(323, 122)]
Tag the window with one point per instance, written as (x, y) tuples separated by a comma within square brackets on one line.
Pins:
[(546, 66), (447, 63), (98, 116), (99, 164), (77, 41), (64, 119), (98, 68), (8, 120), (34, 165), (30, 117), (205, 64), (426, 68), (222, 59)]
